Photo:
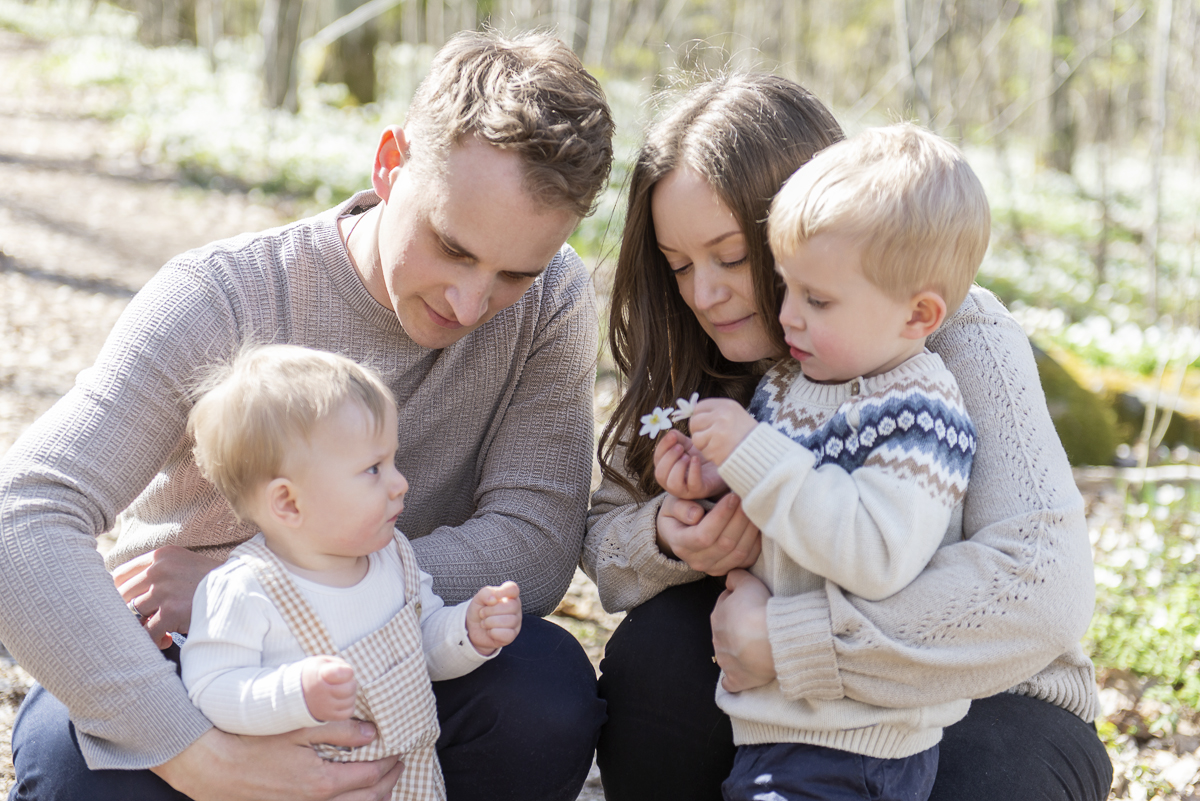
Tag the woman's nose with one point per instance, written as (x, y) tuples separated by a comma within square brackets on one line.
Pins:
[(711, 289)]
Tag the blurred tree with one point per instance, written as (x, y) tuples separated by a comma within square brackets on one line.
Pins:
[(165, 22), (350, 59), (280, 29)]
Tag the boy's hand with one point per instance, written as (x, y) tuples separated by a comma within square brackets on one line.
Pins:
[(718, 426), (494, 617), (681, 470), (329, 687)]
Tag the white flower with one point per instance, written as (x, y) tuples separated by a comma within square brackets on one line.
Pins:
[(686, 407), (657, 420)]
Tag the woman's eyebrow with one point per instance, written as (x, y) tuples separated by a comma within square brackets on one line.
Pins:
[(716, 240)]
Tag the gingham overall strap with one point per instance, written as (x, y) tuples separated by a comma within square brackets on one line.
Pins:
[(412, 573), (303, 621)]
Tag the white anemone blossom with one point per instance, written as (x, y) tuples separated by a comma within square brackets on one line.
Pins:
[(686, 407), (658, 420)]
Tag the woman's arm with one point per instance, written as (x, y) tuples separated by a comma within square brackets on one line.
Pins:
[(635, 550), (989, 612)]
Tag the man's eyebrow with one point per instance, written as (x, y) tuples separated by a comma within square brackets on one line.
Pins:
[(716, 240)]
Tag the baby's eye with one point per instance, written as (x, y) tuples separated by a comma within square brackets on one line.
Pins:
[(373, 469)]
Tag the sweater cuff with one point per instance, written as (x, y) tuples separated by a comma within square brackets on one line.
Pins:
[(801, 635), (646, 558), (763, 449)]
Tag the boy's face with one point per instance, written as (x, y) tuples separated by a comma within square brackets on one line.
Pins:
[(839, 325), (458, 242), (346, 487)]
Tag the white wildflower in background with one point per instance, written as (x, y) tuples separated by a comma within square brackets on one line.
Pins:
[(658, 420), (686, 407)]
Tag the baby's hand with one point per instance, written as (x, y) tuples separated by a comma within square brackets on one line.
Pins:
[(494, 617), (681, 470), (329, 687), (718, 426)]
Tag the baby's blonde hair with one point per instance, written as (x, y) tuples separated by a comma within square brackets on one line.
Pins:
[(269, 396), (906, 196)]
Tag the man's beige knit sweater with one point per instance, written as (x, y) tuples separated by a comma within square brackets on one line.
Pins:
[(495, 440)]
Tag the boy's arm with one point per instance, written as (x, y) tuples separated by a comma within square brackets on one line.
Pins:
[(987, 613), (222, 661), (448, 652), (532, 496), (872, 530)]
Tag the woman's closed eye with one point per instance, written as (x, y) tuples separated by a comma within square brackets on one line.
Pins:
[(816, 303)]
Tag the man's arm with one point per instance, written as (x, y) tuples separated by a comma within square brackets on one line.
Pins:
[(531, 499), (62, 484)]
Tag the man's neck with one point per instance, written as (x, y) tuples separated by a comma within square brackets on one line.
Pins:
[(360, 235)]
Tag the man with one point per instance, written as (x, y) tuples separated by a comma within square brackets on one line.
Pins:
[(453, 281)]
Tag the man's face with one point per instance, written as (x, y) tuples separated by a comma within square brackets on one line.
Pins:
[(461, 241)]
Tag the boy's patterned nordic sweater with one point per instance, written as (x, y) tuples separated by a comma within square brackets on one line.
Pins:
[(857, 484)]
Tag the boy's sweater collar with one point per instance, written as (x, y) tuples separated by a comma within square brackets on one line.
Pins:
[(832, 396)]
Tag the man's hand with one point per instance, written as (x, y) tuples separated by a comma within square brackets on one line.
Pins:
[(494, 617), (329, 687), (283, 767), (161, 585), (713, 543), (682, 470), (740, 638), (718, 426)]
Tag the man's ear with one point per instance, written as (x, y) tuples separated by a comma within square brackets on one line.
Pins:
[(928, 312), (283, 502), (391, 155)]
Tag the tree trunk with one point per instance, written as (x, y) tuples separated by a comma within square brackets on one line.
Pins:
[(1063, 133), (280, 28), (351, 58), (165, 22)]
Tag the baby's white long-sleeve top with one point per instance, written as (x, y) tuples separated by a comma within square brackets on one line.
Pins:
[(241, 664)]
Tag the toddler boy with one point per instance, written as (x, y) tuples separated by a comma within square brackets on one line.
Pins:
[(324, 615), (854, 456)]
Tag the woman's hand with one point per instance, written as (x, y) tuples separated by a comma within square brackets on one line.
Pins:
[(740, 638), (230, 767), (160, 585), (682, 470), (712, 543)]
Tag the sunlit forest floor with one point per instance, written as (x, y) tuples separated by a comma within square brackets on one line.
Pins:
[(82, 227)]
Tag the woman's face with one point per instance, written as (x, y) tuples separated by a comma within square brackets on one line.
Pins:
[(706, 250)]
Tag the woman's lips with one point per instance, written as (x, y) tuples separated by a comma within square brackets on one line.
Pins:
[(731, 325)]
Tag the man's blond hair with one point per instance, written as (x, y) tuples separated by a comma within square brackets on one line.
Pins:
[(270, 396), (906, 196), (528, 94)]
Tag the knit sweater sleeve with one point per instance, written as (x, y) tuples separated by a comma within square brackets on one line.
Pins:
[(870, 531), (532, 495), (620, 551), (65, 481), (991, 611)]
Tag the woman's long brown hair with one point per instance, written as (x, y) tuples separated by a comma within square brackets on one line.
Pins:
[(746, 134)]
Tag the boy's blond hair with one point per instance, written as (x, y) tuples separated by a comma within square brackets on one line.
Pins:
[(906, 196), (528, 94), (268, 397)]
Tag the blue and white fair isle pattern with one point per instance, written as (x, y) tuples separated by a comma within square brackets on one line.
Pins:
[(910, 422)]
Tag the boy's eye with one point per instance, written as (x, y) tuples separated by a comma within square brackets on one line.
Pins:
[(373, 469)]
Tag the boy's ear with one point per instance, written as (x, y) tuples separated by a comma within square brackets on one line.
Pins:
[(391, 155), (928, 312), (282, 502)]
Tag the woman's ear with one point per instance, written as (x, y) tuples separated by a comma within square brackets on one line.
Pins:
[(390, 156), (928, 312), (283, 502)]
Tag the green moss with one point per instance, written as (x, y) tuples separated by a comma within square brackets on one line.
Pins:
[(1086, 425)]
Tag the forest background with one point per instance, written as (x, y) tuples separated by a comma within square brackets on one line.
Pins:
[(1081, 117)]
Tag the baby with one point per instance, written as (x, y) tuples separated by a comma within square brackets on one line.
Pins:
[(324, 615), (854, 456)]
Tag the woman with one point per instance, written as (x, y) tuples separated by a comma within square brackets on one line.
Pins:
[(1002, 610)]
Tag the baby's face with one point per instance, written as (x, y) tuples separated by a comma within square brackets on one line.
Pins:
[(347, 488), (837, 324)]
